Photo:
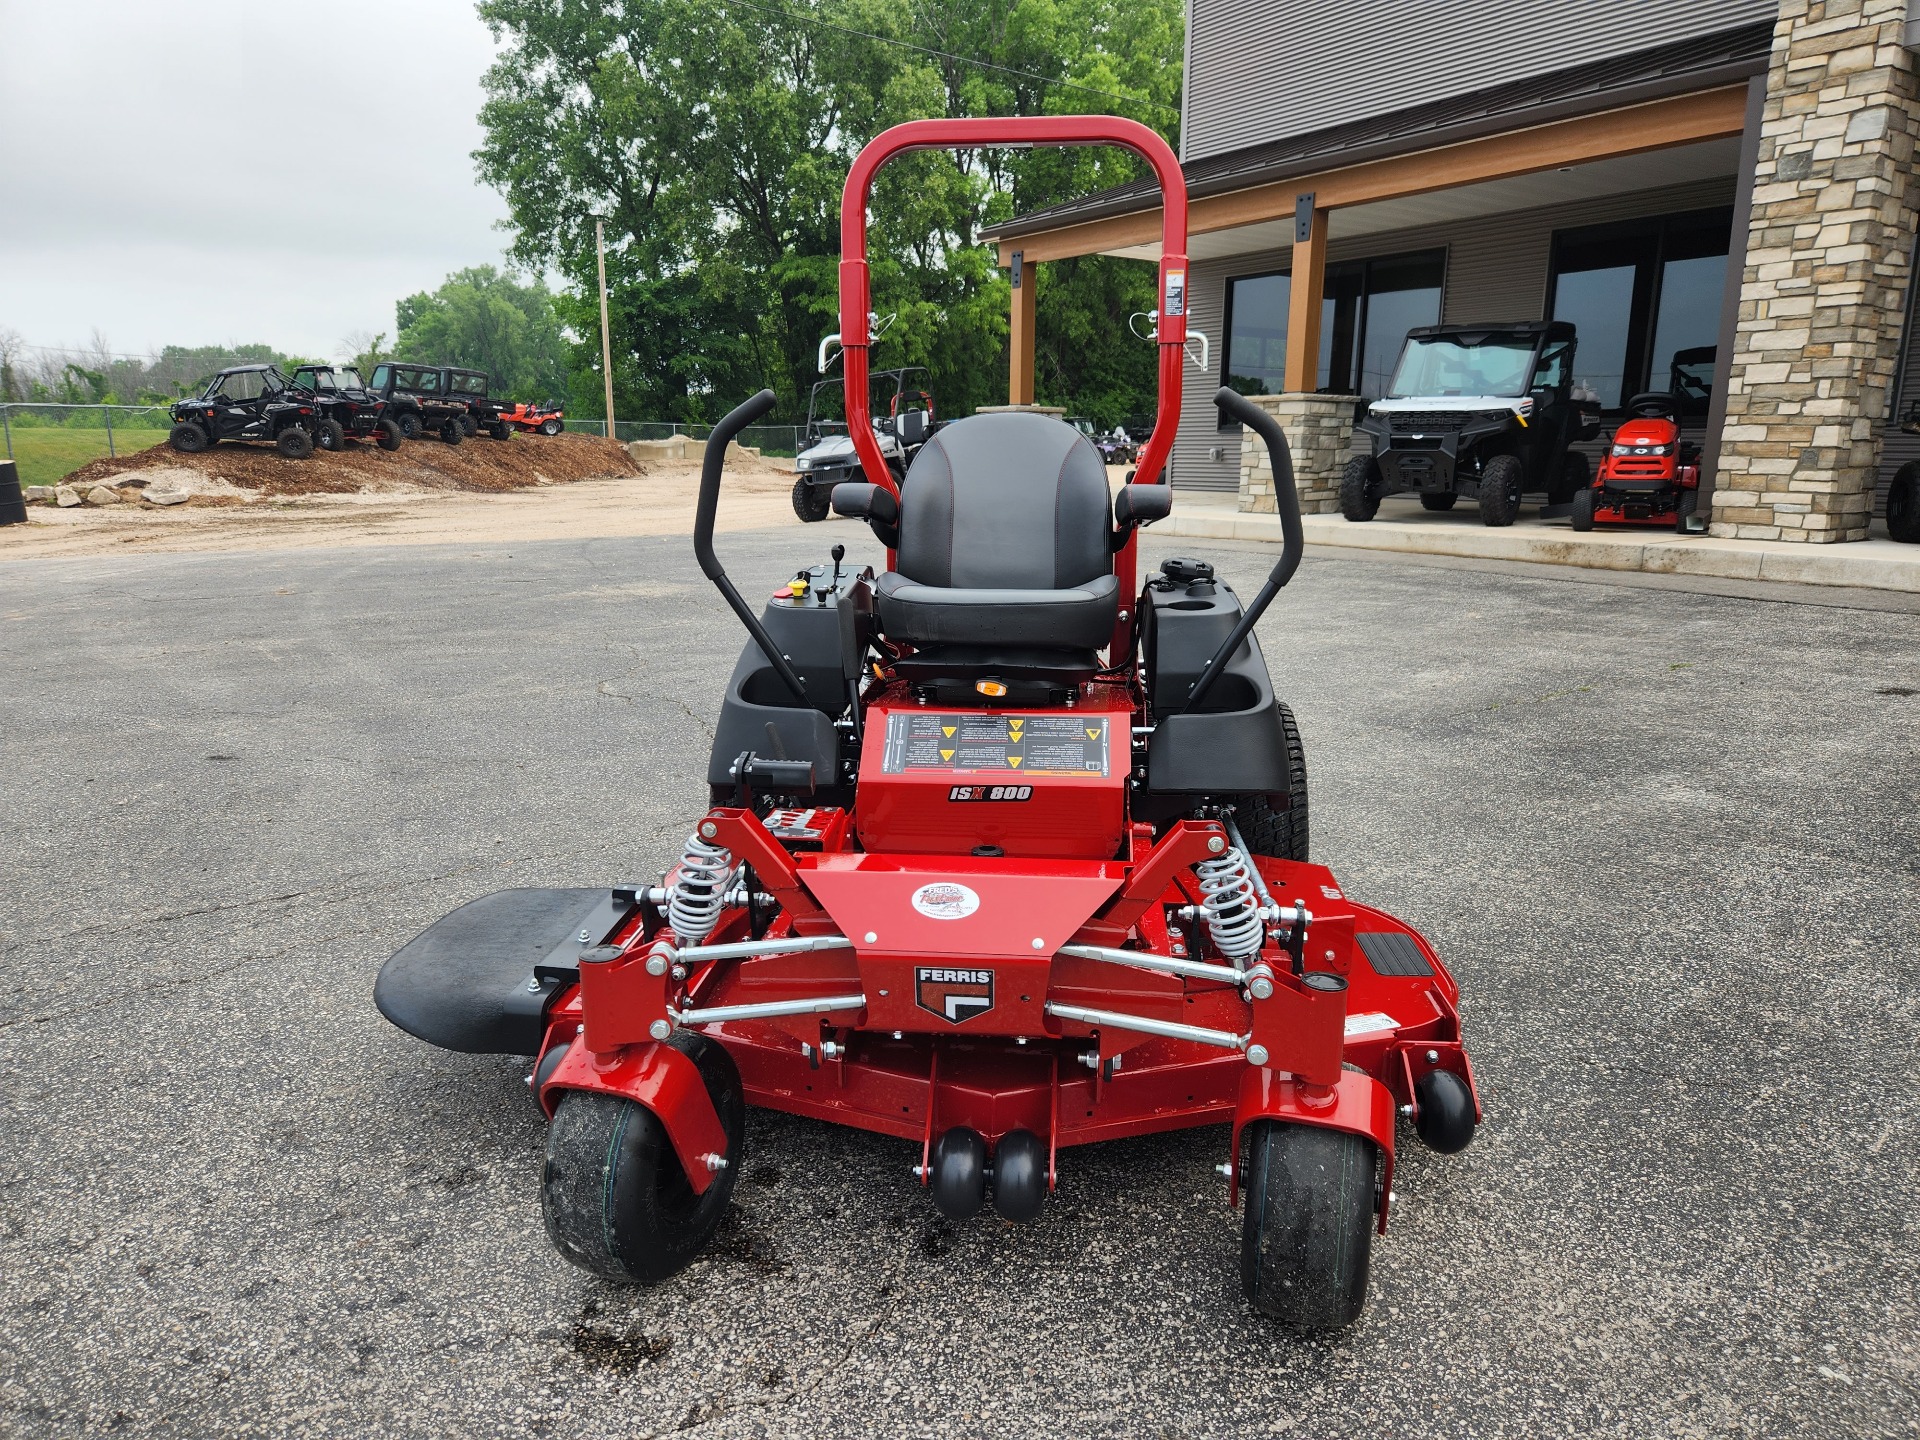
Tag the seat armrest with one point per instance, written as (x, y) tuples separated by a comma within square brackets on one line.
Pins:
[(1138, 505), (872, 504)]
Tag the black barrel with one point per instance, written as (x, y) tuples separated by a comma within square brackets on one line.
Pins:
[(13, 504)]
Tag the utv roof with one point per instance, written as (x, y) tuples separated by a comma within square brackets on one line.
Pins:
[(1480, 334), (243, 369)]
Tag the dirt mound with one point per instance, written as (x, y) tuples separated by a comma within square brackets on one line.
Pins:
[(480, 464)]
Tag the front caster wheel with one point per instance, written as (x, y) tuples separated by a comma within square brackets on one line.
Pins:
[(1308, 1233), (959, 1179), (1020, 1175), (615, 1198)]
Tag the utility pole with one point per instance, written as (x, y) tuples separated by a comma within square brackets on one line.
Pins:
[(606, 340)]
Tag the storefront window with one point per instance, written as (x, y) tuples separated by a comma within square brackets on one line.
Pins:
[(1645, 297), (1369, 307)]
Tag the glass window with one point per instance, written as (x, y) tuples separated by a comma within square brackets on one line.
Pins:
[(380, 374), (469, 383), (1496, 365), (348, 379), (1645, 297), (1403, 293), (1256, 349)]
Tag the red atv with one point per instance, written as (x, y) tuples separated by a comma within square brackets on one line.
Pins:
[(543, 418), (1650, 476), (966, 882)]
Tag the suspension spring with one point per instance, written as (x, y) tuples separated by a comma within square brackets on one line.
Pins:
[(1229, 905), (699, 892)]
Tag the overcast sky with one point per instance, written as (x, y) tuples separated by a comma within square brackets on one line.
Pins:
[(186, 173)]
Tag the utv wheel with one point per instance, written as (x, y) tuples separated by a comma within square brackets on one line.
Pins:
[(1308, 1232), (1576, 474), (811, 502), (330, 435), (550, 427), (1438, 499), (188, 438), (410, 425), (1500, 486), (294, 443), (616, 1201), (500, 430), (1903, 504), (451, 432), (1360, 488), (1583, 504), (389, 436), (469, 426), (1268, 830)]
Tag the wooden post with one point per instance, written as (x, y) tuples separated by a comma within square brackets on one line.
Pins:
[(1020, 317), (606, 340), (1307, 292)]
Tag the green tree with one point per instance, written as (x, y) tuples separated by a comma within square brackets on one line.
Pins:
[(714, 139), (484, 319)]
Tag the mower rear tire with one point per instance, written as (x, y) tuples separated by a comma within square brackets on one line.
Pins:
[(615, 1198), (1307, 1236), (1903, 504), (189, 438), (1268, 830), (1360, 488), (1438, 499), (1576, 474), (1685, 509), (812, 502), (330, 435), (409, 425), (390, 436), (452, 432), (1500, 487), (550, 427), (1583, 504), (294, 443)]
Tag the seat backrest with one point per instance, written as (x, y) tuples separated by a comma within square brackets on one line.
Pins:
[(910, 427), (1006, 502)]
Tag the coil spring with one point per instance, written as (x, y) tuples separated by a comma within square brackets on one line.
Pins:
[(1229, 905), (699, 892)]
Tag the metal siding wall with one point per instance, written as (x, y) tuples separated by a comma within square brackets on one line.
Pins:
[(1261, 70), (1496, 270), (1897, 448)]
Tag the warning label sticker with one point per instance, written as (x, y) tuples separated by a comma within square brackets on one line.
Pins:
[(995, 744)]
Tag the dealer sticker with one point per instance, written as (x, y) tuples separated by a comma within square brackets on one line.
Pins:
[(945, 900)]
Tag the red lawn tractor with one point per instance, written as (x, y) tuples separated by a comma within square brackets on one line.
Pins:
[(543, 418), (970, 882), (1649, 476)]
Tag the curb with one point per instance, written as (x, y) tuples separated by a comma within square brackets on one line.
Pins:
[(1866, 564)]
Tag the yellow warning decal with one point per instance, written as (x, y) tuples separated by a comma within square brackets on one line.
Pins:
[(947, 754)]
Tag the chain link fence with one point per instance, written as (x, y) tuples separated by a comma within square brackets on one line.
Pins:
[(773, 441), (50, 442)]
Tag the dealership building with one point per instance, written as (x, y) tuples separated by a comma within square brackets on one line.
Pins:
[(1714, 189)]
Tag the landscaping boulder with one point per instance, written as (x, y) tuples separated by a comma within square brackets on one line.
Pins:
[(40, 494), (165, 497), (66, 497), (103, 495)]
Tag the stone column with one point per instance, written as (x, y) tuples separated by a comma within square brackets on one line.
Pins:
[(1822, 299), (1319, 431)]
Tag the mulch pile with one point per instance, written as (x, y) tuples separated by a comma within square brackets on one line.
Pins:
[(478, 464)]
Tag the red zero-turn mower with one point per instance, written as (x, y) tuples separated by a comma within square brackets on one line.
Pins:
[(1649, 476), (967, 882)]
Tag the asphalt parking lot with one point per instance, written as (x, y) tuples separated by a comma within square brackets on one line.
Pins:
[(1667, 837)]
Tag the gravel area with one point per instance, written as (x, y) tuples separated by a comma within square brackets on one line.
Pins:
[(1666, 834)]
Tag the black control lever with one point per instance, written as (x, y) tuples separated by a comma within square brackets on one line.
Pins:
[(1294, 539), (753, 773), (737, 419)]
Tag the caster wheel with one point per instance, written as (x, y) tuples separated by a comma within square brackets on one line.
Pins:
[(1019, 1175), (1444, 1107), (959, 1180), (543, 1072), (616, 1201)]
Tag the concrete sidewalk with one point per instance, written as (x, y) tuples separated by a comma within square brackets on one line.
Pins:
[(1403, 526)]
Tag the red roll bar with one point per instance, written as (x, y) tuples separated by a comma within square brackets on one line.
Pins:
[(1017, 132)]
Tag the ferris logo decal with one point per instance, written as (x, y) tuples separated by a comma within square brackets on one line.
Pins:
[(990, 792), (954, 995)]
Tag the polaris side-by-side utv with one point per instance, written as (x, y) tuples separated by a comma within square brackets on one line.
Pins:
[(828, 456), (483, 412), (969, 882), (1488, 411), (418, 400), (344, 409), (245, 402)]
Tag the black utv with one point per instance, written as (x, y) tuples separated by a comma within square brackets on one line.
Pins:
[(418, 400), (470, 388), (1488, 411), (343, 408), (247, 402)]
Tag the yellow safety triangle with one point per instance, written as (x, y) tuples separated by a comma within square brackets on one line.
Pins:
[(946, 754), (947, 730), (1014, 760)]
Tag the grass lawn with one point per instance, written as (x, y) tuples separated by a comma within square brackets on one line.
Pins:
[(48, 455)]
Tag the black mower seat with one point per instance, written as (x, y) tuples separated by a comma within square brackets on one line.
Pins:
[(1005, 539)]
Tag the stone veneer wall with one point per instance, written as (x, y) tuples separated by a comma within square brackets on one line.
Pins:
[(1823, 296), (1319, 431)]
